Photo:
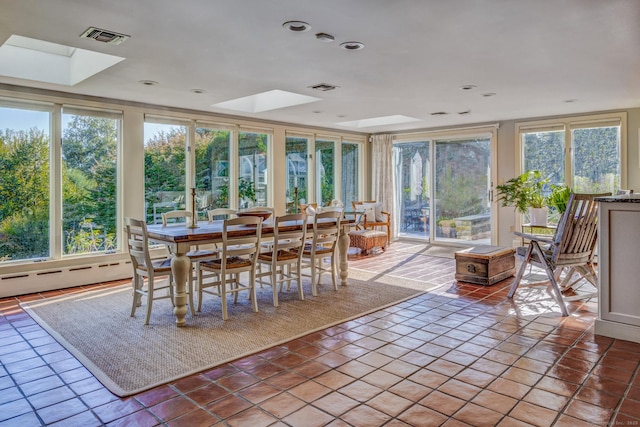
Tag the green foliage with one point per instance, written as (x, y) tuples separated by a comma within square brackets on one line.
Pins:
[(559, 198), (247, 190), (524, 191)]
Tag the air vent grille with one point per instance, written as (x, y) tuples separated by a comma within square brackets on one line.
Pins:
[(323, 87), (104, 36)]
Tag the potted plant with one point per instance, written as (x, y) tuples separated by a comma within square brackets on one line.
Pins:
[(526, 193)]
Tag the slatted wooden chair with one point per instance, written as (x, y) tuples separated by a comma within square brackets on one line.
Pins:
[(146, 267), (284, 259), (322, 245), (570, 250)]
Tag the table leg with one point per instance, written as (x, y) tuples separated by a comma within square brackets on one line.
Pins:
[(180, 266), (343, 249)]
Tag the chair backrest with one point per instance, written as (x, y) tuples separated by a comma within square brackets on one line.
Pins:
[(262, 208), (622, 192), (247, 243), (221, 213), (577, 232), (289, 239), (326, 229), (357, 204), (176, 216), (138, 243)]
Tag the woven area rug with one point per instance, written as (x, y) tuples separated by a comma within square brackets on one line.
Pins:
[(128, 357)]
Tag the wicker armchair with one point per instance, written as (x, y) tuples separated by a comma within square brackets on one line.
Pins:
[(383, 220)]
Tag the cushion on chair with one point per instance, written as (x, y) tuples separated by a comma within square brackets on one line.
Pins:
[(282, 255), (379, 216), (232, 262), (369, 211)]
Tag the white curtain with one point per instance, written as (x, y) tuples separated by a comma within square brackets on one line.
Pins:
[(382, 176)]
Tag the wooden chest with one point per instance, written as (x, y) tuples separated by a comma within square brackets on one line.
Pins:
[(485, 265)]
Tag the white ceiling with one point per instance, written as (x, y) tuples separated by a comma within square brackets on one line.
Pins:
[(534, 55)]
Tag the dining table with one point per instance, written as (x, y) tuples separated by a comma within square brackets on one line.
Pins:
[(182, 237)]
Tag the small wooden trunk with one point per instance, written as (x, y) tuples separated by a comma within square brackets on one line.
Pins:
[(485, 265)]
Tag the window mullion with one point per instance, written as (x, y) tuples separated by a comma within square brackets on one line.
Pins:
[(55, 189)]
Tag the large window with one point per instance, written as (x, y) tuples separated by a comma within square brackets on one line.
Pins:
[(585, 153), (296, 172), (89, 181), (324, 160), (24, 183), (212, 168), (164, 168), (350, 173), (253, 177)]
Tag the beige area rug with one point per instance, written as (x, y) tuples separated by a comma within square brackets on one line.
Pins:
[(128, 357), (426, 249)]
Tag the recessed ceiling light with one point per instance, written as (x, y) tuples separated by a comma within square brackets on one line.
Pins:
[(296, 26), (148, 82), (316, 111), (486, 95), (198, 91), (341, 115), (468, 87), (352, 45), (324, 37), (569, 101)]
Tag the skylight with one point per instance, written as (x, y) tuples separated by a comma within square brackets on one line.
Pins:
[(266, 101), (39, 60), (379, 121)]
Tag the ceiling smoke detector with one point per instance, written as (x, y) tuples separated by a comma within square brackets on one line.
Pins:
[(296, 26), (323, 87), (104, 36)]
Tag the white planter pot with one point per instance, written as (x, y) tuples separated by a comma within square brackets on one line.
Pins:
[(538, 216)]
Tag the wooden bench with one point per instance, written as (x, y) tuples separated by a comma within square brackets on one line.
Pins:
[(366, 240)]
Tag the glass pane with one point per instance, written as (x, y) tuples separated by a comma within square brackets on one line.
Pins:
[(462, 188), (24, 184), (212, 169), (296, 170), (350, 184), (89, 160), (596, 159), (544, 151), (253, 185), (164, 169), (325, 190), (412, 170)]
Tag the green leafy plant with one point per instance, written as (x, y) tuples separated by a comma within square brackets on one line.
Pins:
[(524, 191), (559, 197), (247, 190)]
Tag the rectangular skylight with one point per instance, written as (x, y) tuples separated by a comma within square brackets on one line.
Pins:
[(379, 121), (266, 101), (43, 61)]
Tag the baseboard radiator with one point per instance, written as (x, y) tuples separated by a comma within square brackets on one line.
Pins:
[(64, 277)]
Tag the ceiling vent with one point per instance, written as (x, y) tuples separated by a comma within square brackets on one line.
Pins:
[(104, 36), (323, 87)]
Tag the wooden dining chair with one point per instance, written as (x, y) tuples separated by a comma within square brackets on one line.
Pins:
[(569, 251), (146, 267), (196, 256), (284, 259), (322, 245), (221, 213), (238, 254)]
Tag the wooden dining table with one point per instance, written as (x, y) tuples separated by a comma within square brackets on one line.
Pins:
[(181, 238)]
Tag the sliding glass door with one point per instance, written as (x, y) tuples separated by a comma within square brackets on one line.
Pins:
[(462, 207), (443, 188)]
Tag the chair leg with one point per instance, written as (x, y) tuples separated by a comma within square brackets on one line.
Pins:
[(149, 300), (252, 290), (190, 291), (299, 280), (333, 272), (314, 287), (223, 295), (552, 279), (523, 267), (274, 283), (137, 297)]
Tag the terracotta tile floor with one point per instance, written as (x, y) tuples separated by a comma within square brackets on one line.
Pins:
[(460, 355)]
